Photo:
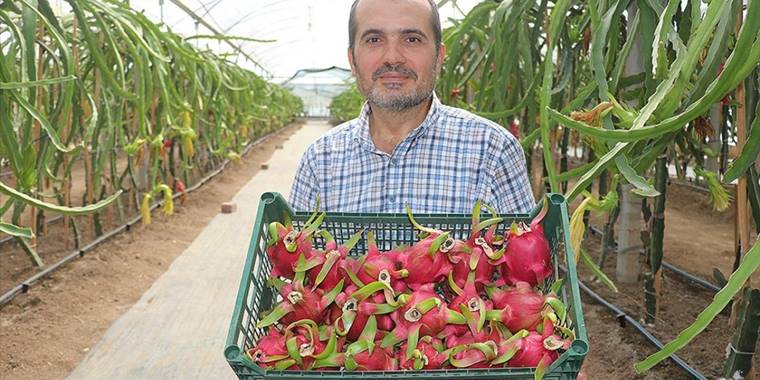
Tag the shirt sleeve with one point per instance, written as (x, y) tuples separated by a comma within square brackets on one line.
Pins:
[(303, 194), (511, 185)]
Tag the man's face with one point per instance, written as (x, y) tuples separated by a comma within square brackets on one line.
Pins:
[(394, 58)]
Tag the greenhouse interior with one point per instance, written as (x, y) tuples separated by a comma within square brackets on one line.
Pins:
[(379, 189)]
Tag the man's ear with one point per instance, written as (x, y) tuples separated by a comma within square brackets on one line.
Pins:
[(441, 57), (351, 61)]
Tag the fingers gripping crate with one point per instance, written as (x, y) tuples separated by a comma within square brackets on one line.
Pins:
[(256, 296)]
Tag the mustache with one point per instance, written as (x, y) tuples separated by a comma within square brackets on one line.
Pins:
[(398, 68)]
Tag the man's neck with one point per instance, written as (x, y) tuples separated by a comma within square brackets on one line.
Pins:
[(388, 128)]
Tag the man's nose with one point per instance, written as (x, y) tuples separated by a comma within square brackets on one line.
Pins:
[(393, 53)]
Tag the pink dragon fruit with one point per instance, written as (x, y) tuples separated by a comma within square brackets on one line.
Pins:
[(468, 301), (477, 253), (357, 305), (489, 332), (377, 266), (532, 351), (300, 303), (422, 313), (378, 359), (366, 354), (426, 261), (327, 268), (286, 245), (523, 307), (427, 355), (270, 352), (473, 355), (528, 256), (302, 341)]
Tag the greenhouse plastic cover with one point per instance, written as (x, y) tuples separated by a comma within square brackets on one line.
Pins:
[(306, 34)]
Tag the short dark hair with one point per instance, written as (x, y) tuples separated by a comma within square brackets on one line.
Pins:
[(435, 22)]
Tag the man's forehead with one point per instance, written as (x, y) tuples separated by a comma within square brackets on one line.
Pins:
[(391, 16)]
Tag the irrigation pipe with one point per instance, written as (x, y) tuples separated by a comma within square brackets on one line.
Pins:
[(24, 286), (622, 317)]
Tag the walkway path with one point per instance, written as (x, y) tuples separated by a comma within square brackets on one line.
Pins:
[(177, 330)]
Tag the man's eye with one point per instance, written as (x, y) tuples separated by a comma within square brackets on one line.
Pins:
[(373, 40), (413, 39)]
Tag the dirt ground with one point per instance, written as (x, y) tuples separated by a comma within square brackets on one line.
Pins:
[(47, 331), (697, 239)]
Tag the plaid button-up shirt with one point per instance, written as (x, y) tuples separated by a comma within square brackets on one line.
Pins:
[(445, 165)]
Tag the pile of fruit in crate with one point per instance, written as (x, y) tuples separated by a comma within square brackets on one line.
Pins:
[(439, 303)]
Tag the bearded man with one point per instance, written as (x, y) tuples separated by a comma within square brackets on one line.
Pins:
[(406, 148)]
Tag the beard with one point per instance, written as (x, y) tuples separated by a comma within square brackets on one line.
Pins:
[(392, 99)]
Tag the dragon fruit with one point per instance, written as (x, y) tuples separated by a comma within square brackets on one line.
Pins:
[(377, 266), (425, 261), (523, 307), (366, 354), (327, 268), (271, 353), (303, 343), (422, 313), (477, 254), (528, 256), (473, 355), (532, 351), (377, 359), (489, 332), (472, 306), (357, 305), (429, 354), (286, 245), (300, 303)]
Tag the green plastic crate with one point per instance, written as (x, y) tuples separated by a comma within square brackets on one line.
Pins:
[(255, 295)]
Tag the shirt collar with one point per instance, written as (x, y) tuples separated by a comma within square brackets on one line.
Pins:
[(361, 130)]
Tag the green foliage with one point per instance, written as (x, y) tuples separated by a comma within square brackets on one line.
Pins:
[(105, 83), (346, 105), (556, 65)]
